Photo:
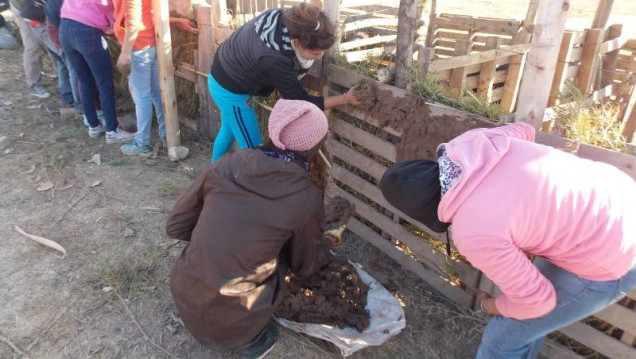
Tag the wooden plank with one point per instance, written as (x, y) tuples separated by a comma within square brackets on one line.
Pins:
[(623, 161), (425, 252), (613, 44), (364, 139), (186, 72), (496, 26), (455, 294), (587, 73), (366, 23), (560, 74), (356, 159), (350, 45), (602, 14), (209, 119), (552, 349), (629, 66), (451, 35), (598, 341), (443, 52), (373, 193), (580, 37), (450, 44), (487, 72), (496, 94), (619, 316), (503, 41), (500, 76), (462, 61), (458, 75)]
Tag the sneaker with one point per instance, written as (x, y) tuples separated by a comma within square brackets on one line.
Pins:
[(263, 344), (118, 135), (39, 91), (100, 117), (133, 148), (94, 132)]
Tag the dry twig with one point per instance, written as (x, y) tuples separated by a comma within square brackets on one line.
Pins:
[(140, 329), (44, 241), (70, 207)]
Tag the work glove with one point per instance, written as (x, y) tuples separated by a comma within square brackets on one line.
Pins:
[(336, 234)]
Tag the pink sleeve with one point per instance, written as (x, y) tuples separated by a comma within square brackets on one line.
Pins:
[(520, 130), (527, 293)]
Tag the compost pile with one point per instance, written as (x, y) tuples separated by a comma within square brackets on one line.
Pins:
[(334, 295)]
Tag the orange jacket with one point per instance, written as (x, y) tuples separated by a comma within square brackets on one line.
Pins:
[(135, 14)]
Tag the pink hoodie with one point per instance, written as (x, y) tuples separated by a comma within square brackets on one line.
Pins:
[(518, 198), (94, 13)]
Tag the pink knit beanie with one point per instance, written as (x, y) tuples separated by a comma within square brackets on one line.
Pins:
[(296, 125)]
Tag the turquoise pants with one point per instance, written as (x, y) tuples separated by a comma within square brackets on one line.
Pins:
[(238, 120)]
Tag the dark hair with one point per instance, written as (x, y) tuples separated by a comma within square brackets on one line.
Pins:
[(310, 26)]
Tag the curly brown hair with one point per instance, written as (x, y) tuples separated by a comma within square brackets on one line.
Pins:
[(309, 26)]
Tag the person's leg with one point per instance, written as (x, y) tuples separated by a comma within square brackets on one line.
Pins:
[(238, 120), (68, 37), (577, 298), (32, 55), (263, 343), (74, 82), (94, 49), (156, 97), (140, 85), (56, 53)]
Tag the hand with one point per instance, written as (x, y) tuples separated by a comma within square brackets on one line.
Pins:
[(336, 234), (123, 63), (185, 24), (351, 98), (109, 32), (486, 302)]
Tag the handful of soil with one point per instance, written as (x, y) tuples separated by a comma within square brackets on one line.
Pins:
[(337, 212), (334, 295)]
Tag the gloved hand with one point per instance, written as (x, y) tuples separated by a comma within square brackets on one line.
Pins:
[(336, 234)]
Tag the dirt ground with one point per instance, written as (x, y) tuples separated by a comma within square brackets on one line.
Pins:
[(109, 297)]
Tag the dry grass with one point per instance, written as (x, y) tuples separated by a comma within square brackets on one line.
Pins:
[(588, 122)]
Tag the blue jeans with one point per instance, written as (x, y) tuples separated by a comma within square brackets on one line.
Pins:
[(87, 51), (143, 82), (577, 298), (238, 120)]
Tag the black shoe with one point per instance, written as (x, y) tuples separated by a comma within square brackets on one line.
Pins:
[(263, 344)]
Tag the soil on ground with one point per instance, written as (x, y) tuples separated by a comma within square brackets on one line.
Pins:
[(334, 295)]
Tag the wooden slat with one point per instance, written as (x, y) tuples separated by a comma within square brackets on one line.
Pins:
[(496, 94), (451, 35), (425, 252), (580, 37), (508, 27), (455, 294), (623, 161), (373, 193), (458, 75), (589, 58), (554, 350), (462, 61), (487, 72), (186, 71), (629, 66), (559, 74), (450, 44), (366, 23), (350, 45), (599, 341), (443, 52), (619, 316), (356, 159), (500, 76), (613, 44), (364, 139), (504, 41)]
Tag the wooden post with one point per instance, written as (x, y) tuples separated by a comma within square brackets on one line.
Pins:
[(589, 59), (567, 44), (610, 58), (332, 10), (602, 14), (430, 32), (404, 51), (161, 20), (541, 63), (487, 71), (458, 75), (517, 62), (629, 119), (209, 119)]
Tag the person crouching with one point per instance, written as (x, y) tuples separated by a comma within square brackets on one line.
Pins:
[(251, 217)]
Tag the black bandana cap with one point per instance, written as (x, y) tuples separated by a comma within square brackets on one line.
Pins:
[(413, 187)]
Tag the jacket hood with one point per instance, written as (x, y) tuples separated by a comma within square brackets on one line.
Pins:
[(477, 152), (267, 176)]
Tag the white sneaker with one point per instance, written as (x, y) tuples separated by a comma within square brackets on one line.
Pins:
[(94, 132), (118, 135)]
